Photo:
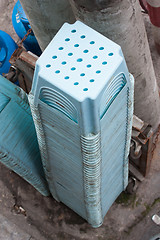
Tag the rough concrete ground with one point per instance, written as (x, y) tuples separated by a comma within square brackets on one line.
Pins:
[(45, 219), (6, 8)]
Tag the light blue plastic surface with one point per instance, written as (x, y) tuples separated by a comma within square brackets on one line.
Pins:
[(19, 149), (82, 106)]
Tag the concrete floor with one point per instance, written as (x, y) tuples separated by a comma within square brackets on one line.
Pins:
[(43, 218)]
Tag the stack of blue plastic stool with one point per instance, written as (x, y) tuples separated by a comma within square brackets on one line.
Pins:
[(82, 105), (19, 149)]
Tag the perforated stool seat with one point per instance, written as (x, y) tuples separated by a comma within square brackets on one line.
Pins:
[(82, 106)]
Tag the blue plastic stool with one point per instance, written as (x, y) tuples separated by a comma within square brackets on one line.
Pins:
[(7, 47), (82, 106), (19, 149), (21, 26)]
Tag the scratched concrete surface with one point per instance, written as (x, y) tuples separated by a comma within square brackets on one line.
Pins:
[(43, 218), (9, 231)]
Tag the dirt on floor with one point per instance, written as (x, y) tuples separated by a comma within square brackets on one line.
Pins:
[(31, 215), (26, 215)]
